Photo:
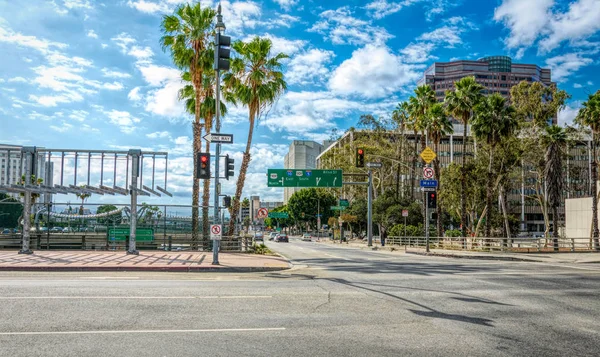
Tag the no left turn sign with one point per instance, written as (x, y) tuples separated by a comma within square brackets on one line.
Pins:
[(428, 173)]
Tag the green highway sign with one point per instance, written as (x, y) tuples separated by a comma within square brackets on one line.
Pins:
[(142, 234), (338, 208), (344, 202), (304, 178), (278, 215)]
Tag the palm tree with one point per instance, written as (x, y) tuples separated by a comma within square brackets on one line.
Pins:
[(555, 141), (401, 117), (83, 196), (494, 120), (460, 104), (257, 82), (187, 37), (438, 125), (423, 100), (589, 116)]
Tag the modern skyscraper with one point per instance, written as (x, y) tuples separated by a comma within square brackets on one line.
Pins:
[(302, 155)]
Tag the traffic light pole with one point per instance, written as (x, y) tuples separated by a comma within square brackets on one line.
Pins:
[(426, 201), (216, 243), (370, 211)]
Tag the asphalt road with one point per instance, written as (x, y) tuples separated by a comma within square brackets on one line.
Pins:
[(337, 301)]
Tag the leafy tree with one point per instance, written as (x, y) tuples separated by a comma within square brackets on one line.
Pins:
[(187, 37), (555, 140), (387, 211), (257, 82), (304, 205), (589, 116), (494, 121), (438, 125), (460, 103), (149, 213), (10, 211), (112, 219)]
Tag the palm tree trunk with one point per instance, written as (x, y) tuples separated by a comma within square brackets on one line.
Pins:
[(414, 168), (242, 176), (505, 214), (197, 147), (463, 203), (206, 202), (595, 232), (488, 197), (555, 227)]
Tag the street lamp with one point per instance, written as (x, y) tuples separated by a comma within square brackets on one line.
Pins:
[(220, 26)]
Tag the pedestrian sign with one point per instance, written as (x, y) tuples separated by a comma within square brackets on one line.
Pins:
[(428, 155)]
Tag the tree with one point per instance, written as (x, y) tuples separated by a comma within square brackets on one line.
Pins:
[(257, 82), (112, 219), (437, 125), (304, 205), (10, 211), (187, 37), (83, 196), (401, 117), (555, 140), (494, 120), (460, 104), (589, 116)]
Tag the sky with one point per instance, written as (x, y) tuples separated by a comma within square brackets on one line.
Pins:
[(82, 74)]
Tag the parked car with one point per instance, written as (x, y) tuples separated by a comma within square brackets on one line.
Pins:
[(306, 237), (6, 231), (68, 230), (258, 236), (282, 238), (56, 230), (272, 235)]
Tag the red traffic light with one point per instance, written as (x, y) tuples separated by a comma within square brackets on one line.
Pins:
[(360, 151), (204, 158)]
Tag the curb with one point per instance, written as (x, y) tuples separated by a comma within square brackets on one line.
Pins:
[(152, 269), (480, 257)]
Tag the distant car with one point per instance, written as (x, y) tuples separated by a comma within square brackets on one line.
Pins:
[(68, 230), (306, 237), (6, 231), (43, 229), (258, 236), (56, 230), (282, 238), (272, 235)]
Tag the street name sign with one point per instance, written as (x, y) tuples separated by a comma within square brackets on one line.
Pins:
[(428, 155), (278, 215), (215, 232), (219, 138), (337, 208), (374, 165), (304, 178), (429, 183), (141, 234), (344, 202)]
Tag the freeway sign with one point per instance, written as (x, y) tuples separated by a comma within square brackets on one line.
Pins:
[(374, 165), (429, 183), (337, 208), (219, 138), (278, 215), (141, 234), (304, 178)]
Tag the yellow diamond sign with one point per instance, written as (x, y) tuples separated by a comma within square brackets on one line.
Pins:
[(428, 155)]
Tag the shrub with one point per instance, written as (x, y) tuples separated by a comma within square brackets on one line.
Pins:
[(453, 233)]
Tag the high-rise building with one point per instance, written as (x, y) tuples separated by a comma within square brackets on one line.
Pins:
[(12, 168), (498, 74), (302, 155)]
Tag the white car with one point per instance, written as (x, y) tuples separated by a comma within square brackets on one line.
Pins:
[(306, 237), (272, 235)]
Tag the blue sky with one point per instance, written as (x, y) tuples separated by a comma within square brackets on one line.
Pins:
[(91, 74)]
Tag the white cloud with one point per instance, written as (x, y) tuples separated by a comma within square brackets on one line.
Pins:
[(531, 20), (577, 85), (372, 72), (114, 74), (156, 75), (590, 83), (282, 20), (36, 115), (287, 4), (63, 128), (564, 65), (418, 52), (18, 79), (141, 53), (281, 44), (568, 114), (382, 8), (148, 7), (92, 34), (341, 27), (124, 120), (77, 4), (79, 115), (134, 94), (159, 135), (17, 106), (164, 101), (42, 45), (309, 66), (446, 34)]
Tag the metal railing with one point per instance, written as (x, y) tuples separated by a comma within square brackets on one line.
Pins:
[(517, 245)]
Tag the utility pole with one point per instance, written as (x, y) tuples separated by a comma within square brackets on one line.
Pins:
[(29, 154), (135, 171), (370, 211)]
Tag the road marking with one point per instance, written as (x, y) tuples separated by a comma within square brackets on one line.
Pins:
[(335, 256), (134, 297), (141, 331), (109, 277)]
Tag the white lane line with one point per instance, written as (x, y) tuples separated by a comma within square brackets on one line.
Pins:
[(335, 256), (109, 277), (133, 297), (141, 331)]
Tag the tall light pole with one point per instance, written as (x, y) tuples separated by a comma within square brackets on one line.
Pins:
[(219, 27)]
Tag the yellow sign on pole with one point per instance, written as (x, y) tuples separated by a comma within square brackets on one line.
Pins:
[(428, 155)]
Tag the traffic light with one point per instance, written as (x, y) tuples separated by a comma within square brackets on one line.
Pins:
[(229, 167), (431, 199), (222, 52), (203, 163), (360, 158), (227, 201)]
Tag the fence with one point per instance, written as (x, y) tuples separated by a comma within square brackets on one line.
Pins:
[(523, 245)]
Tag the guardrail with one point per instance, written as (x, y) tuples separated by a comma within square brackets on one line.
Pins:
[(523, 245), (93, 241)]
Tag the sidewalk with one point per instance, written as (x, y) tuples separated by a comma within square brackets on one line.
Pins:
[(146, 261), (564, 257)]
